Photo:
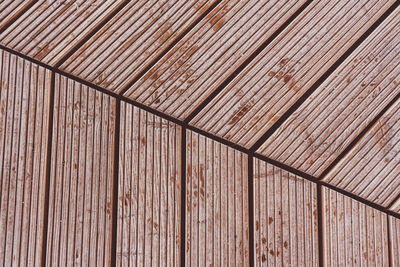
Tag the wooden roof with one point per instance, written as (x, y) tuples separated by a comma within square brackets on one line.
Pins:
[(200, 133)]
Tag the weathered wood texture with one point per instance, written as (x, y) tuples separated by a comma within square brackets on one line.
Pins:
[(81, 179), (354, 234), (209, 54), (217, 231), (285, 218), (287, 68), (132, 40), (371, 169), (10, 10), (50, 29), (149, 193), (24, 118), (343, 105), (394, 241)]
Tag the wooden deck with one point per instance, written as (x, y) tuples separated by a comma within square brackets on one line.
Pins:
[(198, 133)]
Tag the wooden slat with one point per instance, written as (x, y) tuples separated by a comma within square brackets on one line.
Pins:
[(354, 234), (134, 38), (81, 182), (394, 241), (372, 168), (287, 68), (50, 29), (10, 10), (343, 105), (285, 217), (208, 55), (149, 193), (24, 117), (217, 231)]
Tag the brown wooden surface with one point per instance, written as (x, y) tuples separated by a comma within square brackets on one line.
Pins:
[(285, 218), (50, 29), (24, 117), (149, 210), (394, 240), (217, 230), (209, 53), (354, 234), (371, 169), (343, 105), (129, 42), (287, 68), (81, 179), (10, 10)]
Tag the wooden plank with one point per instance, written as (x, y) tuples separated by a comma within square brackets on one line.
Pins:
[(81, 182), (394, 241), (24, 117), (326, 123), (285, 217), (149, 190), (287, 68), (354, 234), (217, 204), (50, 29), (133, 39), (209, 54), (11, 10), (371, 169)]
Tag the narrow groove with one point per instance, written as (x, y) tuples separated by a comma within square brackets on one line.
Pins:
[(397, 198), (17, 16), (165, 51), (48, 171), (250, 189), (91, 34), (236, 72), (183, 196), (390, 256), (114, 224), (320, 227), (328, 73)]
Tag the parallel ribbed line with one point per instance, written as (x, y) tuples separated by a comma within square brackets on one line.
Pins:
[(354, 234), (394, 241), (287, 68), (10, 10), (208, 55), (81, 176), (50, 29), (149, 194), (24, 112), (135, 37), (216, 204), (372, 168), (343, 105), (285, 216)]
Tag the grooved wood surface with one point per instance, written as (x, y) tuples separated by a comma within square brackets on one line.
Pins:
[(10, 10), (354, 234), (285, 218), (209, 53), (24, 118), (343, 105), (371, 169), (81, 179), (287, 68), (217, 229), (130, 41), (149, 190), (50, 29), (394, 240)]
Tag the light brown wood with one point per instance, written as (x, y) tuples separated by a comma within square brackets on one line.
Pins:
[(287, 68), (81, 181), (394, 240), (50, 29), (327, 122), (10, 10), (354, 234), (216, 204), (209, 53), (285, 218), (24, 117), (149, 193)]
